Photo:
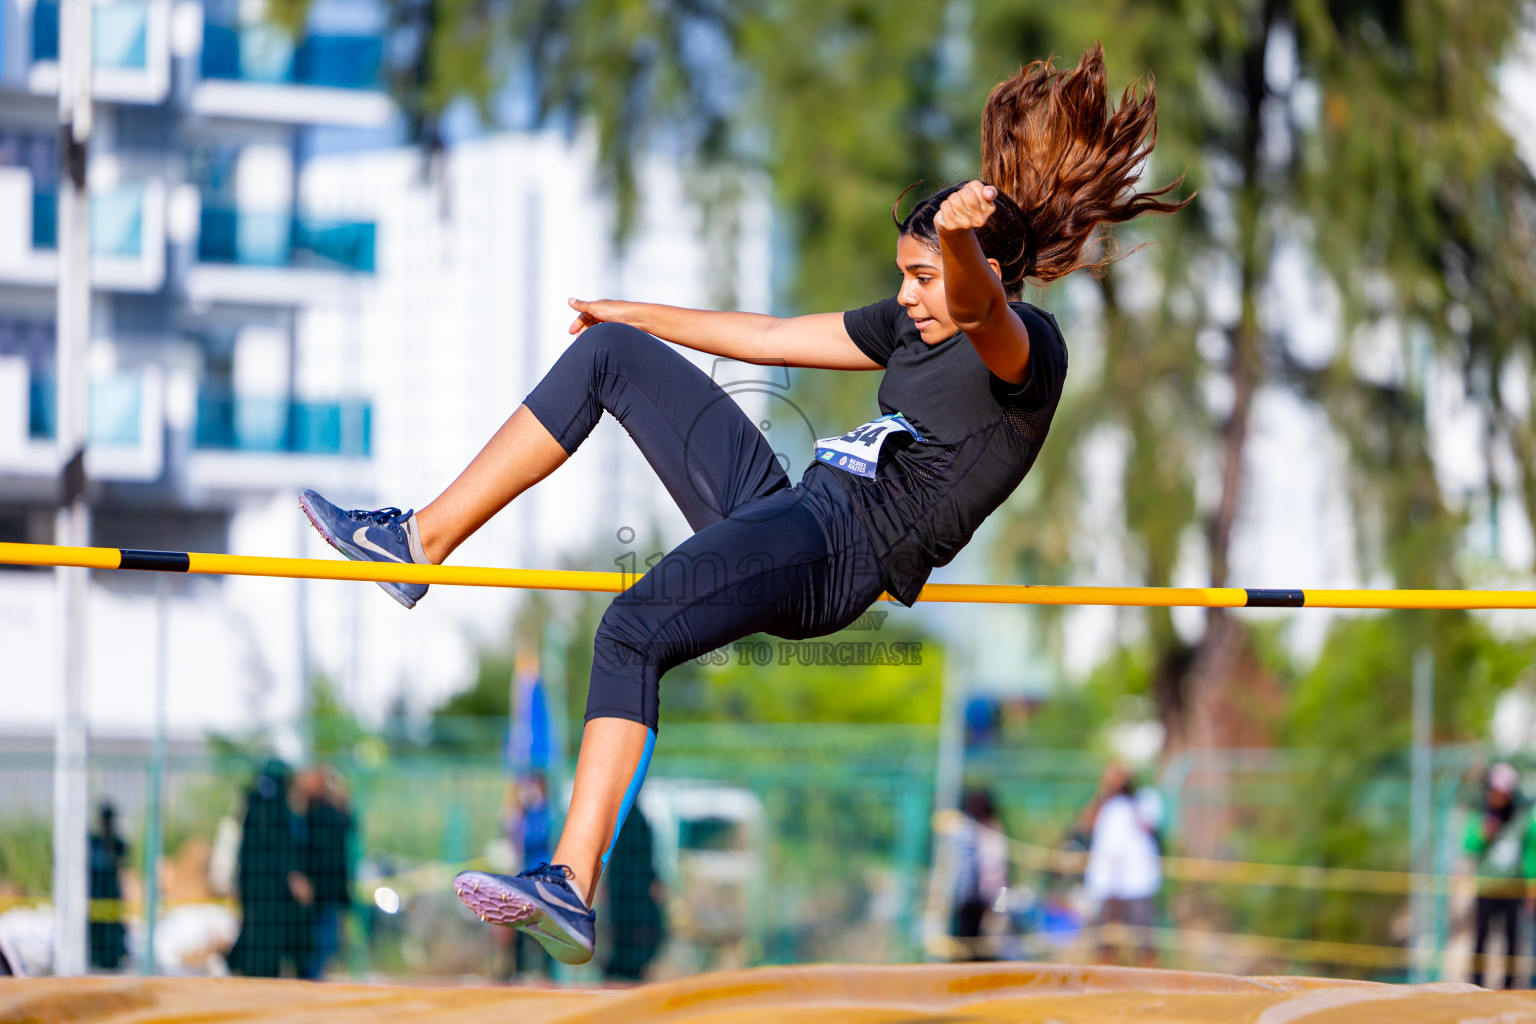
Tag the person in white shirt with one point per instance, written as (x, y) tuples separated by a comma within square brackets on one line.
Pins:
[(981, 871), (1124, 862)]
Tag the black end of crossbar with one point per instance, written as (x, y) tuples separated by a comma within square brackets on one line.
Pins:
[(1275, 599), (160, 561)]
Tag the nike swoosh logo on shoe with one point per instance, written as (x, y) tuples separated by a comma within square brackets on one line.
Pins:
[(360, 538), (559, 900)]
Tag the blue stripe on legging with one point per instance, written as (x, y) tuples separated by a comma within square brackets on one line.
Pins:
[(632, 792)]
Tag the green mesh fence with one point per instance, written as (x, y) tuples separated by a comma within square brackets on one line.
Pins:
[(750, 845)]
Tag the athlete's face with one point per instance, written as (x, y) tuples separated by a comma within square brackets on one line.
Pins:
[(922, 289)]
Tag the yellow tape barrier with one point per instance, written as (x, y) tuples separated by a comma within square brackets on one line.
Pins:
[(1194, 941), (411, 882), (1229, 872)]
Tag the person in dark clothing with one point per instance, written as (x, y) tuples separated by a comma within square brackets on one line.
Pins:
[(638, 922), (109, 939), (532, 833), (972, 376), (981, 870), (276, 895), (1502, 840), (328, 863)]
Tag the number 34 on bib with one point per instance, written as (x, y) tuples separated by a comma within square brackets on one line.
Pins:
[(858, 451)]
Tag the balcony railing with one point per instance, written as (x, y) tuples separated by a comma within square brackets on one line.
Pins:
[(119, 33), (117, 222), (115, 404), (45, 220), (45, 30), (265, 53), (281, 240), (282, 425)]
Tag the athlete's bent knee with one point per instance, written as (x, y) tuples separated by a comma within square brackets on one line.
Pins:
[(627, 663), (622, 637), (612, 337)]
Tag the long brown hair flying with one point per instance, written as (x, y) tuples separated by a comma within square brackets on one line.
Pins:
[(1064, 163)]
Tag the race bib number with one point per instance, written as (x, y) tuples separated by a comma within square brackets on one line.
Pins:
[(858, 451)]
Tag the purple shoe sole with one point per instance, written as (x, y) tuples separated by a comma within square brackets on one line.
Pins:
[(496, 903), (492, 902)]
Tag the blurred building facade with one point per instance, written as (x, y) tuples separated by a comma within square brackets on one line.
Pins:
[(267, 319), (202, 257)]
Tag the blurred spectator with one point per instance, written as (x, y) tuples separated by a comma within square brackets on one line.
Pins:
[(109, 939), (1501, 842), (1124, 867), (534, 824), (528, 826), (276, 896), (26, 940), (327, 862), (981, 869), (982, 717), (635, 901)]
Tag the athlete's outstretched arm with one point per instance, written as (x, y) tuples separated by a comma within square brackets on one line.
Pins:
[(818, 341), (977, 302)]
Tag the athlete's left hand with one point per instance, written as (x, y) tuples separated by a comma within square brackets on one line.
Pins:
[(967, 208)]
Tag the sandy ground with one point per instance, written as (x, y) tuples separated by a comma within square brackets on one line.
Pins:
[(1028, 994)]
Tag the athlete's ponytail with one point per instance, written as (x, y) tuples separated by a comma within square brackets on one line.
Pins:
[(1063, 163)]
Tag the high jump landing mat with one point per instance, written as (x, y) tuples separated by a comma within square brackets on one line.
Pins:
[(953, 994)]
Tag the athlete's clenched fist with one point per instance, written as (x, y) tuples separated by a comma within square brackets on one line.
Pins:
[(968, 207)]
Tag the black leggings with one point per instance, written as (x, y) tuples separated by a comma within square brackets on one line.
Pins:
[(765, 556), (1488, 908)]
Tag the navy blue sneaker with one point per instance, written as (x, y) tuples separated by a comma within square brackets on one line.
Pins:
[(382, 535), (540, 901)]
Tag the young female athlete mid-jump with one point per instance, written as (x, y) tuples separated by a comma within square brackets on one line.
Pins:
[(971, 379)]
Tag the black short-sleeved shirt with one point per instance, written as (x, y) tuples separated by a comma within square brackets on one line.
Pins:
[(980, 436)]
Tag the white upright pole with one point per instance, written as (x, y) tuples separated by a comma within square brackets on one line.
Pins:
[(950, 766), (949, 771), (533, 262), (73, 328), (154, 828)]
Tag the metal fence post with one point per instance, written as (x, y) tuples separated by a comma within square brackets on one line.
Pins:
[(912, 826), (1420, 814), (73, 332)]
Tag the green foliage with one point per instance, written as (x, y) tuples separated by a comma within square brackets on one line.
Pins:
[(1356, 701), (197, 803), (445, 50), (1423, 216), (1364, 139), (288, 14), (26, 856), (1076, 714), (333, 729), (904, 690), (1344, 803), (474, 719), (242, 749), (790, 690), (489, 695)]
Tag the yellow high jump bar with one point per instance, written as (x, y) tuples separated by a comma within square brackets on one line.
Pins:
[(613, 582)]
